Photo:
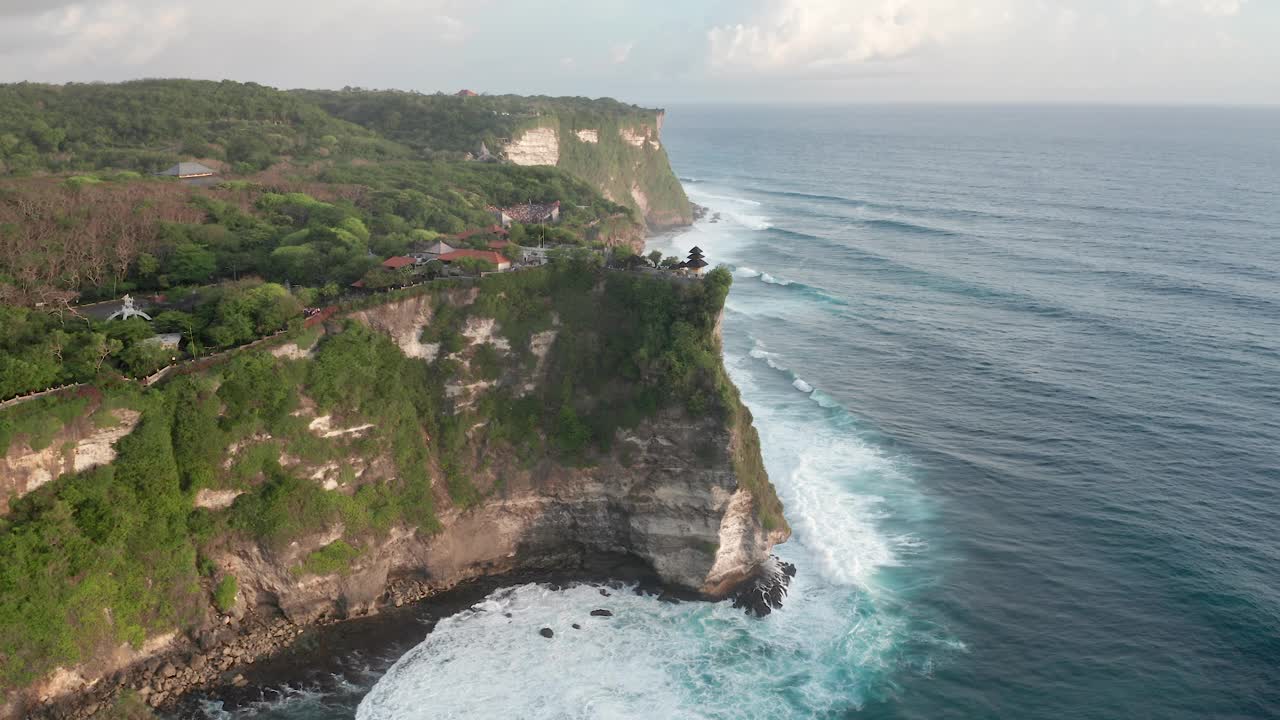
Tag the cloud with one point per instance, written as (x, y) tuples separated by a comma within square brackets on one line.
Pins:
[(18, 8), (621, 52), (1212, 8), (284, 41), (121, 33), (814, 34)]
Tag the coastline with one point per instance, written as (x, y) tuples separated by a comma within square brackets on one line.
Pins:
[(244, 659), (265, 655), (320, 655)]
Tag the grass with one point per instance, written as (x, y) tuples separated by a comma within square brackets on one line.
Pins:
[(224, 595), (332, 559)]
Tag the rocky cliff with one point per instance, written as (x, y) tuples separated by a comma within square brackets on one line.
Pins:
[(620, 154), (78, 435), (455, 433)]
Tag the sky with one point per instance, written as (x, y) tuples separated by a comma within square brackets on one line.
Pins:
[(673, 51)]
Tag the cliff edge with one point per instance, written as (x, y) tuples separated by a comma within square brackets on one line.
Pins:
[(551, 419), (620, 154)]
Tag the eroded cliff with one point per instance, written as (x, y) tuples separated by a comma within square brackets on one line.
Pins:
[(534, 421), (620, 154)]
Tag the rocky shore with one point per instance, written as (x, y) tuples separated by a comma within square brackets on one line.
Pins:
[(246, 660)]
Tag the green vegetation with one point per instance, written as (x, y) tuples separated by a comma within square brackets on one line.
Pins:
[(40, 349), (123, 537), (449, 197), (224, 595), (148, 125), (447, 123), (447, 126), (334, 558), (112, 539), (120, 553), (40, 420), (309, 213)]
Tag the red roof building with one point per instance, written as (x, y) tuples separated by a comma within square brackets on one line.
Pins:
[(397, 262), (497, 259), (466, 93)]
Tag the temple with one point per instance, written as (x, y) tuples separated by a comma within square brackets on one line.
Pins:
[(696, 263)]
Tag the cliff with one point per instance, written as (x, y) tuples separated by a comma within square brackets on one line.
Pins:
[(619, 154), (614, 146), (543, 420)]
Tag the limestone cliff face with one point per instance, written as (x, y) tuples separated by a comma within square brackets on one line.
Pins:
[(622, 156), (669, 494), (85, 443), (692, 521), (682, 493), (536, 146)]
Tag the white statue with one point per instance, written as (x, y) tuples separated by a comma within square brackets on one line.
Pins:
[(127, 310)]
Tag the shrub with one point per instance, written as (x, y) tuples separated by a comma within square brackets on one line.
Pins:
[(334, 558), (224, 595)]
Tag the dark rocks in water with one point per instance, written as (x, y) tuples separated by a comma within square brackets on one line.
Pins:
[(601, 613), (604, 592), (576, 626), (764, 593), (547, 632), (507, 614), (668, 598)]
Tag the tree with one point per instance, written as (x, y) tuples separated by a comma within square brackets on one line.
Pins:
[(147, 265), (655, 258), (146, 357), (251, 388), (475, 266), (380, 278), (192, 263)]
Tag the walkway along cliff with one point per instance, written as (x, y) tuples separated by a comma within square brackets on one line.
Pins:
[(563, 418)]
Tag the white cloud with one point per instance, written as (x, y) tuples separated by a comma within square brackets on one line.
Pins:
[(812, 34), (1212, 8), (621, 52), (116, 32)]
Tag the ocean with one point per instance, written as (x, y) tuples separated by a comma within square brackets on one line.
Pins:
[(1016, 372)]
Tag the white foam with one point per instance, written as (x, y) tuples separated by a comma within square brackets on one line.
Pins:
[(732, 210), (815, 657), (758, 352), (832, 484), (690, 661), (823, 399), (700, 195)]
